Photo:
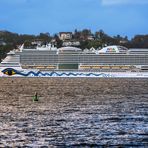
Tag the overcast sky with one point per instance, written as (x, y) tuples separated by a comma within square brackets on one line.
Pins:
[(124, 17)]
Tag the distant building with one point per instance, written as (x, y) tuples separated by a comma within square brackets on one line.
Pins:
[(90, 37), (123, 41), (71, 43), (53, 42), (65, 36), (37, 42)]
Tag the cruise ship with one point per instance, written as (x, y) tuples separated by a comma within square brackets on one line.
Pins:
[(48, 61)]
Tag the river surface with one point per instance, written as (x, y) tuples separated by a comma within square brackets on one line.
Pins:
[(73, 112)]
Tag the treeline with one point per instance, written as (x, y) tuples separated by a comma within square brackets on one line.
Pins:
[(4, 49), (87, 39)]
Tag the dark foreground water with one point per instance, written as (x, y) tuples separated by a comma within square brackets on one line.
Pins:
[(74, 112)]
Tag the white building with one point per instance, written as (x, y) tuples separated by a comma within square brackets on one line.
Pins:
[(71, 43), (65, 36)]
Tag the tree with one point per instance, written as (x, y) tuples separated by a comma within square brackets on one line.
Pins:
[(140, 41), (96, 44), (77, 34), (58, 41), (27, 44), (4, 50), (45, 37), (85, 33)]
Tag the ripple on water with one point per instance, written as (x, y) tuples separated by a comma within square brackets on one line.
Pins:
[(75, 116)]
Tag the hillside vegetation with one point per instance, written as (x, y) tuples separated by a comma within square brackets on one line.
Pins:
[(9, 40)]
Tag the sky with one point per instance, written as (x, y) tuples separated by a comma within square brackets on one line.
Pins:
[(123, 17)]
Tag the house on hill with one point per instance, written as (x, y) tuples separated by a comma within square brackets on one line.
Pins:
[(65, 36)]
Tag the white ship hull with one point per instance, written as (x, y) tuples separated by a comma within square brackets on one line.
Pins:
[(13, 72), (109, 62)]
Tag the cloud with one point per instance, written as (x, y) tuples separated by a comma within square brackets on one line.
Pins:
[(124, 2)]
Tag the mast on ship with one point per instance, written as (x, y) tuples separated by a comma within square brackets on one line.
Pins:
[(22, 47)]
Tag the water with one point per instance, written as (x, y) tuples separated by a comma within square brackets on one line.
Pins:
[(74, 113)]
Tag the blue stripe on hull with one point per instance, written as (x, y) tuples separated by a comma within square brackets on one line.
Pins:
[(30, 73)]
